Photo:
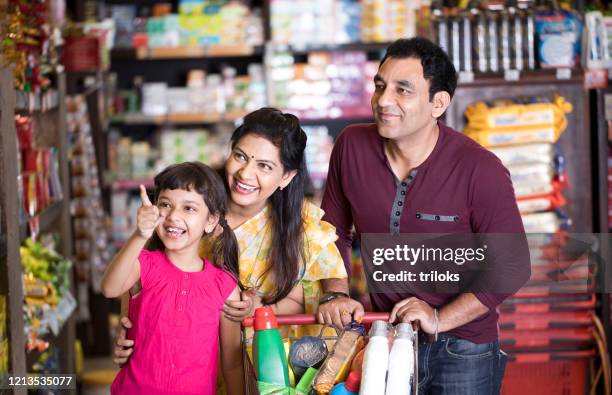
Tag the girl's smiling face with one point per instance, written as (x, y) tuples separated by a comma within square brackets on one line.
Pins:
[(254, 172), (186, 219)]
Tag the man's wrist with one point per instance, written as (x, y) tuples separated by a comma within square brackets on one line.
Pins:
[(329, 296)]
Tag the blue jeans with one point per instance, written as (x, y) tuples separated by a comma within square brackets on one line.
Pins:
[(459, 367)]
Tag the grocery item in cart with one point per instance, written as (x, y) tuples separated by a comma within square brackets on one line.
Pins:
[(269, 357), (375, 360), (307, 352), (401, 361), (336, 367), (349, 387)]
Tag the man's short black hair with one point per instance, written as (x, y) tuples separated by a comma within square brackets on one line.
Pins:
[(437, 67)]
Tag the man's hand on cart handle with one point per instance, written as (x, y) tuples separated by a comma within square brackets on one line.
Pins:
[(340, 312), (413, 309), (123, 347)]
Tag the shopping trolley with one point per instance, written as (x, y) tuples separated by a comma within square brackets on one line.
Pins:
[(300, 320)]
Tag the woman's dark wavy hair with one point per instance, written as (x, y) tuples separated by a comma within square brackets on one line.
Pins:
[(437, 67), (287, 252), (199, 178)]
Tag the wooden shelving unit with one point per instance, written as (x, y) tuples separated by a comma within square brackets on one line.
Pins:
[(55, 218), (194, 52), (177, 119)]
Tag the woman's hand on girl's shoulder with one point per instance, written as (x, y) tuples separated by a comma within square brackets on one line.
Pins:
[(238, 310)]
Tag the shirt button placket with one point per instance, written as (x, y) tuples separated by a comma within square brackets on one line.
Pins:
[(184, 290)]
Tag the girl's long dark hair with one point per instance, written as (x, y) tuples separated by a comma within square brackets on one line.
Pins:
[(199, 178), (287, 252)]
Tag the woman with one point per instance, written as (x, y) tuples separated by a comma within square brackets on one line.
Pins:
[(287, 253)]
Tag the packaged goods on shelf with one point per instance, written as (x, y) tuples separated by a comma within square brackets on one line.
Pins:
[(318, 152), (302, 23), (192, 145), (329, 85), (508, 122), (48, 301), (38, 168), (32, 47), (559, 38), (196, 25), (598, 52), (386, 21), (522, 132), (218, 97), (91, 238), (493, 37)]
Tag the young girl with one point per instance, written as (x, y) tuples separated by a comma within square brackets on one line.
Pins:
[(176, 316)]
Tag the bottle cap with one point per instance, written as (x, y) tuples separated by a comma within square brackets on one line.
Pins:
[(379, 328), (264, 319), (404, 331), (353, 381)]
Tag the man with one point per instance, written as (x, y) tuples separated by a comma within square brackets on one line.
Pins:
[(409, 173)]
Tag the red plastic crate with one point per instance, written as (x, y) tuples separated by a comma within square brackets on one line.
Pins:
[(551, 319), (549, 338), (546, 378)]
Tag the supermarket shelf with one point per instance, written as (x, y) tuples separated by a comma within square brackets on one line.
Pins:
[(178, 118), (49, 216), (53, 340), (367, 47), (3, 247), (29, 101), (192, 52), (46, 218), (130, 185), (544, 76)]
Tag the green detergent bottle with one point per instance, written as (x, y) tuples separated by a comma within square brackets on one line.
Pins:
[(269, 357)]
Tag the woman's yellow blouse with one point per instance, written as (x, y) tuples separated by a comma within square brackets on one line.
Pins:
[(323, 259)]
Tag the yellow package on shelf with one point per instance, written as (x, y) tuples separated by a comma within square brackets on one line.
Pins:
[(508, 115), (496, 138)]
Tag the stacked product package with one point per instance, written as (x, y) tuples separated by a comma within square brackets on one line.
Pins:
[(91, 236), (39, 180), (388, 20), (497, 36), (548, 326), (224, 96), (318, 152), (329, 85), (523, 133), (198, 23), (48, 302), (306, 22)]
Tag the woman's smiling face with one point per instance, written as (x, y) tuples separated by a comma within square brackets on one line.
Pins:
[(254, 171)]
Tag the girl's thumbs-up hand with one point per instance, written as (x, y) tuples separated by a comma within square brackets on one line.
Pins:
[(148, 215)]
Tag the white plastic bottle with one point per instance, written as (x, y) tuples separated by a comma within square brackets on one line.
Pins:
[(401, 361), (375, 360)]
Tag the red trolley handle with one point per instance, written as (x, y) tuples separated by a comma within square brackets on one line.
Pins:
[(309, 319)]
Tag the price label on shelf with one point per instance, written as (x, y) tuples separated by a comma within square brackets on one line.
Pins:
[(564, 74), (512, 75), (466, 77)]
